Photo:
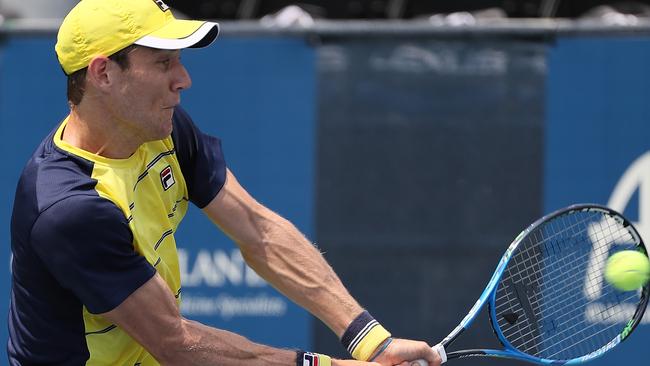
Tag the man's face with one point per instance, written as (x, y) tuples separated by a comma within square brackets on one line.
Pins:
[(147, 91)]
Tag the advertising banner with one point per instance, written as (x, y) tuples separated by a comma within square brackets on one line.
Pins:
[(597, 146)]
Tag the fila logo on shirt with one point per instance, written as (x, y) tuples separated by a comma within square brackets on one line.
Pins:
[(161, 5), (167, 177)]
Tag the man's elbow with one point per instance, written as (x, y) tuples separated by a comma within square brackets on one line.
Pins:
[(266, 224), (176, 349)]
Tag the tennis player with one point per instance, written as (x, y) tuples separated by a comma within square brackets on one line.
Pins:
[(95, 270)]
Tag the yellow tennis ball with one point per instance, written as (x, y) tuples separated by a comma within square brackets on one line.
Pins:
[(627, 270)]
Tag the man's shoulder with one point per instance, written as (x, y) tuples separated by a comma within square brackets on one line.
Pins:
[(51, 175), (56, 190), (80, 211)]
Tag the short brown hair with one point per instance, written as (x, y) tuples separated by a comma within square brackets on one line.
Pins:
[(77, 80)]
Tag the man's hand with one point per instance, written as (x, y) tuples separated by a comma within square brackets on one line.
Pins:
[(402, 352), (353, 363)]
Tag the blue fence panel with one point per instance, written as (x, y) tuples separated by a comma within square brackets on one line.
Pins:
[(598, 139)]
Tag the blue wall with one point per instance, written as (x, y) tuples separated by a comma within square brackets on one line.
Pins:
[(597, 126)]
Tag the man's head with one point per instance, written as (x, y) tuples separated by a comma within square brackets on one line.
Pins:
[(102, 28), (122, 58)]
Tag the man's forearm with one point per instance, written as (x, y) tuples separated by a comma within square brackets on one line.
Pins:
[(287, 260), (279, 253), (211, 346)]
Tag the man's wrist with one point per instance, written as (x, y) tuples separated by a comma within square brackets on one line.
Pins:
[(382, 347), (364, 336), (312, 359)]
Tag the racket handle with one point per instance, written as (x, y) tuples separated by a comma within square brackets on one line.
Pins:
[(441, 352)]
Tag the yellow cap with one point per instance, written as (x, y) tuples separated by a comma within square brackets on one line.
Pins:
[(103, 27)]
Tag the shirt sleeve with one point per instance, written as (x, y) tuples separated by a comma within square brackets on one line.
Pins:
[(86, 244), (200, 157)]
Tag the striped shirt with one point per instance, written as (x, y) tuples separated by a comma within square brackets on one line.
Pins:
[(87, 231)]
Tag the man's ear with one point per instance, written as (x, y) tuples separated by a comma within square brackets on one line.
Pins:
[(99, 71)]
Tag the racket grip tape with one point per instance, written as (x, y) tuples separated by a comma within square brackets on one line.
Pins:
[(441, 352)]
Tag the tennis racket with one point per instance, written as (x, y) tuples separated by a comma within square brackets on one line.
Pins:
[(548, 301)]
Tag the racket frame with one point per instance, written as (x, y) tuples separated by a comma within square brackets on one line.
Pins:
[(489, 295)]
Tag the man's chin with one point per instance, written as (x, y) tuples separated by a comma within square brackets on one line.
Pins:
[(162, 133), (168, 128)]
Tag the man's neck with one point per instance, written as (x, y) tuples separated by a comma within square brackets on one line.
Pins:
[(95, 131)]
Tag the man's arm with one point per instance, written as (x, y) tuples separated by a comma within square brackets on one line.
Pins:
[(279, 253), (174, 340)]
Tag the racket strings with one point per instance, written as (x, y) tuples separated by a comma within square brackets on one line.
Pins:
[(528, 347), (565, 279), (555, 262), (606, 338), (571, 303), (571, 279), (575, 297), (568, 303)]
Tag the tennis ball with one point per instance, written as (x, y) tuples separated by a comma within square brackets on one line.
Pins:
[(627, 270)]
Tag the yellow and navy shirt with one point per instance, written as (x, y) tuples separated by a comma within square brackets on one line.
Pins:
[(87, 231)]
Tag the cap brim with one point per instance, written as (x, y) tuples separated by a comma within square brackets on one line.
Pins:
[(179, 34)]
